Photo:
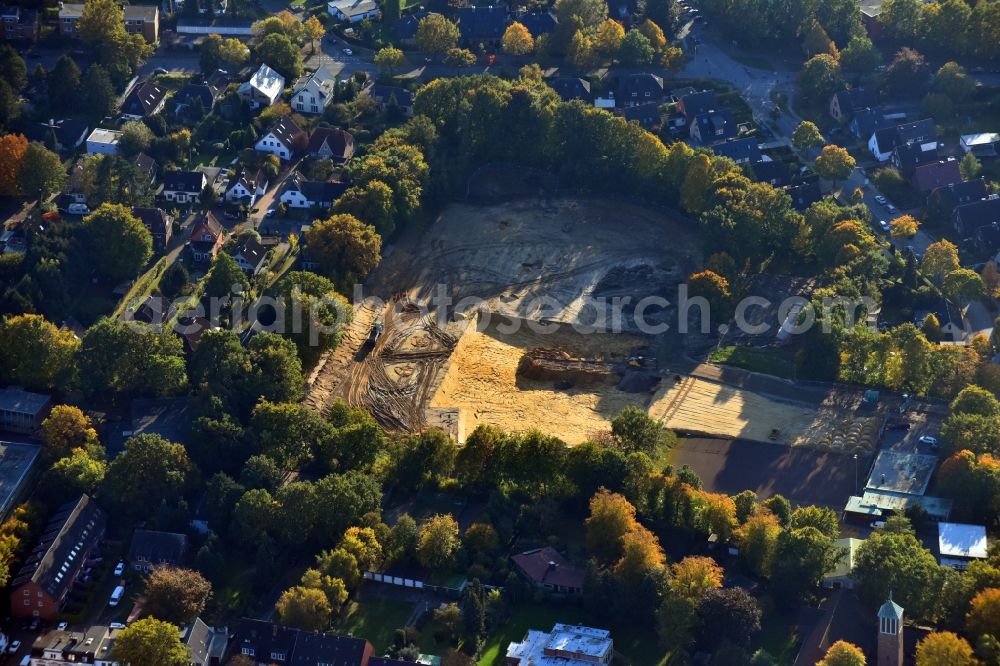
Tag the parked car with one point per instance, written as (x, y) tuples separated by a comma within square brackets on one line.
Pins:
[(927, 439), (881, 199), (35, 624), (878, 524), (14, 647), (62, 626), (119, 568), (116, 625), (884, 225), (348, 52)]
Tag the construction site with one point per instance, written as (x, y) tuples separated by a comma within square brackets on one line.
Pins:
[(530, 334)]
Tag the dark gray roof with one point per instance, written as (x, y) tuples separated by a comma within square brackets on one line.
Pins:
[(183, 181), (205, 92), (154, 219), (482, 23), (647, 115), (406, 27), (640, 87), (140, 12), (851, 101), (144, 99), (538, 23), (978, 213), (69, 132), (61, 551), (312, 649), (950, 196), (322, 191), (773, 172), (157, 547), (739, 149), (147, 164), (340, 142), (804, 195), (383, 93), (252, 251), (698, 103), (286, 131), (920, 130), (709, 123), (570, 87), (206, 643), (16, 399)]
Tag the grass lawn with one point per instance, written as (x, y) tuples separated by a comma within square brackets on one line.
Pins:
[(767, 361), (777, 635), (374, 618), (638, 645)]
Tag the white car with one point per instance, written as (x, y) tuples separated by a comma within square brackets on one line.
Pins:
[(927, 439), (14, 647), (348, 52), (884, 225), (890, 207), (116, 625), (62, 626), (881, 199), (119, 568)]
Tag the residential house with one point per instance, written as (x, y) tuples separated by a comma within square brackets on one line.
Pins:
[(183, 187), (353, 11), (66, 547), (567, 645), (866, 121), (741, 151), (246, 187), (846, 103), (18, 462), (146, 99), (199, 96), (908, 156), (263, 89), (842, 574), (622, 10), (481, 25), (331, 143), (266, 644), (804, 195), (388, 96), (713, 127), (941, 202), (18, 23), (313, 93), (695, 104), (146, 166), (773, 172), (954, 326), (647, 115), (159, 224), (206, 644), (930, 176), (546, 568), (883, 142), (190, 330), (539, 23), (61, 135), (984, 144), (103, 142), (23, 411), (636, 89), (69, 16), (251, 256), (155, 311), (987, 238), (570, 87), (406, 28), (143, 20), (65, 647), (971, 216), (151, 548), (207, 236), (284, 139), (300, 193)]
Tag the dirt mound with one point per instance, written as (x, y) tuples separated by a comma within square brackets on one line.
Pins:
[(624, 277), (560, 366), (638, 381)]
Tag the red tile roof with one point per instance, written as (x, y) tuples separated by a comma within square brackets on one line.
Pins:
[(547, 566)]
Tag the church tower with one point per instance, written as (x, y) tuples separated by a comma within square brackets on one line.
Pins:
[(890, 634)]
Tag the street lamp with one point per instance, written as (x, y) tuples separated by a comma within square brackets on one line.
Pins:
[(855, 473)]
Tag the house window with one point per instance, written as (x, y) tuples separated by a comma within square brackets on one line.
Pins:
[(280, 656), (298, 106), (27, 602), (248, 652)]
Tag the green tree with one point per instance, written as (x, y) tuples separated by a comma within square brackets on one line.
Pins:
[(584, 13), (860, 56), (312, 30), (63, 82), (67, 428), (80, 472), (304, 608), (225, 278), (952, 80), (41, 172), (834, 163), (34, 353), (906, 74), (345, 248), (822, 518), (634, 430), (389, 59), (118, 244), (279, 52), (843, 653), (729, 614), (150, 642), (898, 563), (944, 648), (635, 49), (977, 401), (13, 69), (517, 40), (801, 560), (97, 93), (820, 78), (436, 34), (807, 135), (392, 10), (176, 595), (969, 166), (438, 541), (963, 285), (611, 518), (940, 258), (373, 203), (149, 470), (136, 137), (608, 37), (115, 356)]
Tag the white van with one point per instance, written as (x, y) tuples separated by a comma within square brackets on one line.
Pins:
[(26, 660), (116, 596), (78, 209)]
